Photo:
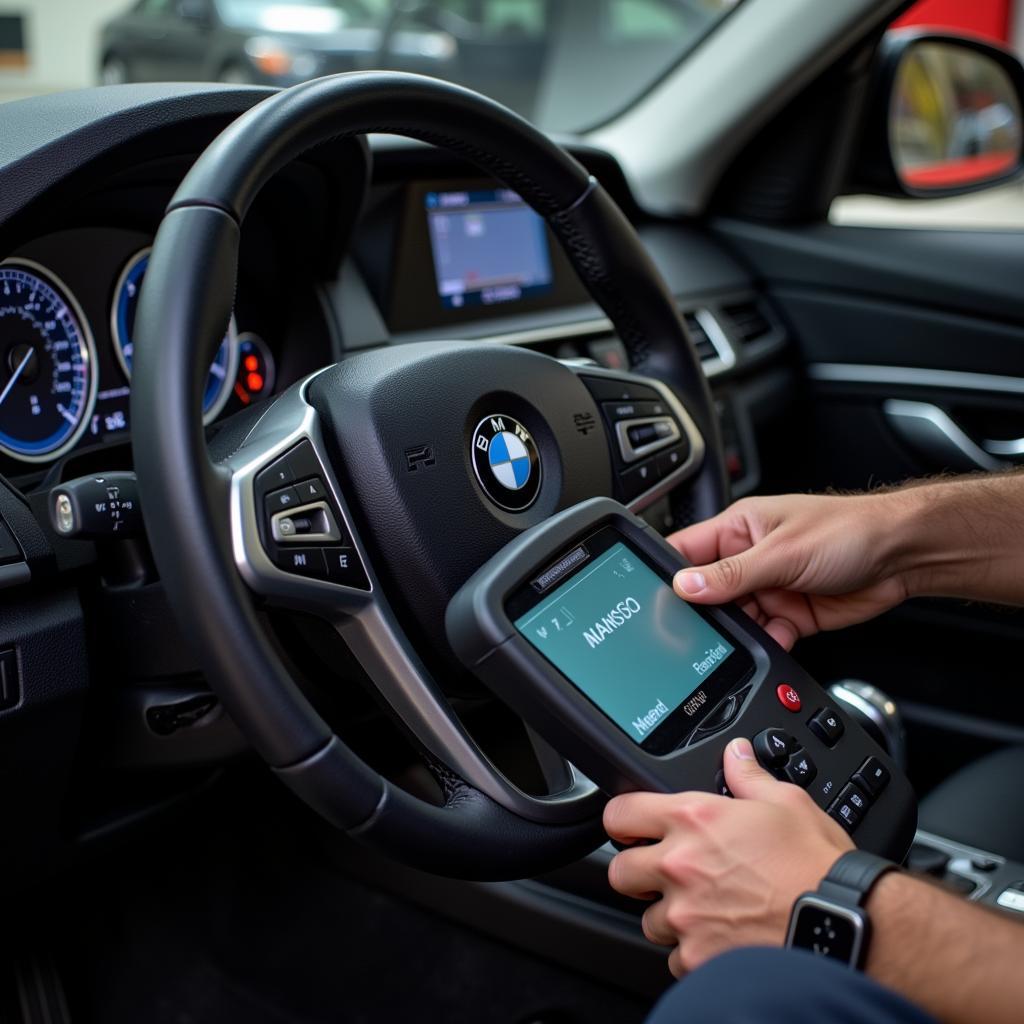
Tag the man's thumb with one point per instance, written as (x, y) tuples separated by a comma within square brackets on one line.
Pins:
[(743, 775), (728, 579)]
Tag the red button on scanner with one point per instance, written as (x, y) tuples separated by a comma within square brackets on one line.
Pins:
[(788, 697)]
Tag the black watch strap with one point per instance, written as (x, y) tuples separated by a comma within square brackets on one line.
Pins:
[(852, 877)]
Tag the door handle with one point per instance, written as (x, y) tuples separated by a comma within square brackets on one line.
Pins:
[(933, 432), (1011, 449)]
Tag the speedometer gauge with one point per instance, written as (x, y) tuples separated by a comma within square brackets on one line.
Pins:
[(224, 368), (47, 364)]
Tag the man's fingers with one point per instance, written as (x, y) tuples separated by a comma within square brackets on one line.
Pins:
[(634, 816), (760, 567), (635, 872), (655, 925), (744, 776)]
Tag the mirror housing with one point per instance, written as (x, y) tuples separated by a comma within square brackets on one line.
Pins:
[(944, 117)]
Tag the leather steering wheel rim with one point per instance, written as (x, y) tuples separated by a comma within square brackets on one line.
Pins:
[(185, 303)]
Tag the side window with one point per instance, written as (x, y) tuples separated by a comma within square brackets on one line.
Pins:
[(514, 17), (644, 20), (156, 8)]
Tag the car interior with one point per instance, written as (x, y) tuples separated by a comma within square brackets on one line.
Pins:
[(249, 771)]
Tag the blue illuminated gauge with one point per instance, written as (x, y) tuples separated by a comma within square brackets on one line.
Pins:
[(224, 368), (47, 364)]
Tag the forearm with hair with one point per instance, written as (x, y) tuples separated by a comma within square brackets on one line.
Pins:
[(962, 537), (956, 960)]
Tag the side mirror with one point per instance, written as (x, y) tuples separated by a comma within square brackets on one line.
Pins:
[(946, 117)]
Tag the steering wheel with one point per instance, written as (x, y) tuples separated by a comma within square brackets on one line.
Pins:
[(397, 537)]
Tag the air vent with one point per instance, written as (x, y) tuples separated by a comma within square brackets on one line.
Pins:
[(704, 345), (748, 323)]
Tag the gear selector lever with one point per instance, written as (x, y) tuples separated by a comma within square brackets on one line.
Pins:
[(877, 714)]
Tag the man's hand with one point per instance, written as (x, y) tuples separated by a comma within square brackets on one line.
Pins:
[(727, 870), (797, 564)]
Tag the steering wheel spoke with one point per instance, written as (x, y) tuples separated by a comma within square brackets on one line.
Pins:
[(282, 474), (292, 533)]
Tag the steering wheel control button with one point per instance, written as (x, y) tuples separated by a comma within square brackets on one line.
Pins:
[(302, 461), (872, 776), (772, 748), (303, 562), (309, 524), (311, 490), (827, 726), (800, 769), (670, 461), (846, 811), (345, 568), (506, 462), (635, 481), (284, 500), (720, 785), (277, 474), (788, 697)]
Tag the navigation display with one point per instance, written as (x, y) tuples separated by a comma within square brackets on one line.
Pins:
[(618, 632), (489, 247)]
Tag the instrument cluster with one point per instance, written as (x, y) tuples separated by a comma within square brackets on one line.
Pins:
[(66, 352)]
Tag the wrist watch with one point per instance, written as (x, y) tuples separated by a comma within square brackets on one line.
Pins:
[(832, 921)]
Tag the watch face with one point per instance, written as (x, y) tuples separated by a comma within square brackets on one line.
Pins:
[(828, 930)]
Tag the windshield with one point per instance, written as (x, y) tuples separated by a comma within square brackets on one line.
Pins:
[(568, 65)]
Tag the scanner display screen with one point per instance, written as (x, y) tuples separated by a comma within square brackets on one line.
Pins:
[(617, 632)]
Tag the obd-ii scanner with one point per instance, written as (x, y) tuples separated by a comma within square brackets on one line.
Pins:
[(576, 627)]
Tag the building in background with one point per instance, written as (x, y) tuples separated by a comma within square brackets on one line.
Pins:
[(999, 20)]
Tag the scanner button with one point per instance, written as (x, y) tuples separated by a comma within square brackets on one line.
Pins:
[(773, 747), (872, 776), (788, 697), (827, 726), (800, 769), (856, 797)]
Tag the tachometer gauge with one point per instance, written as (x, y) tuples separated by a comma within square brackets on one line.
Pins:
[(47, 364), (224, 368)]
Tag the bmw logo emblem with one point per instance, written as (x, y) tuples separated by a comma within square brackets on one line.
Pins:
[(506, 462)]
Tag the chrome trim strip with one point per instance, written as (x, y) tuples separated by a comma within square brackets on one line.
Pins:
[(907, 376), (1011, 448), (961, 857), (726, 353), (725, 360), (556, 332), (367, 623)]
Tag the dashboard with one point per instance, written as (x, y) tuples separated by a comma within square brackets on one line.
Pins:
[(355, 246)]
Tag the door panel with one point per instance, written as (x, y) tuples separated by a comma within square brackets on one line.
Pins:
[(912, 345)]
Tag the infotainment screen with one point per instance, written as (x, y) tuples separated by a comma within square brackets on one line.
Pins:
[(489, 247), (617, 631)]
